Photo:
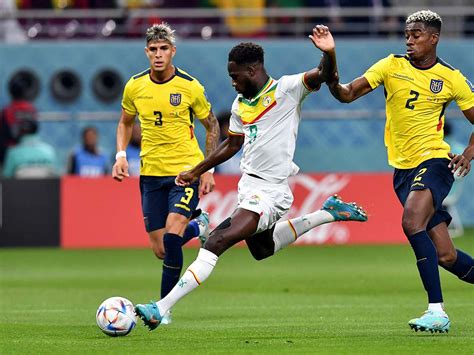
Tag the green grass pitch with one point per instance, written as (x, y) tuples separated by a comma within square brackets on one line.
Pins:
[(313, 300)]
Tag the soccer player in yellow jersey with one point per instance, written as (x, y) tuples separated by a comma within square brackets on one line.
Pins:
[(167, 100), (418, 87)]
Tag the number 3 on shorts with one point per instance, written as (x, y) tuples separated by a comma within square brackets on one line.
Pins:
[(189, 194)]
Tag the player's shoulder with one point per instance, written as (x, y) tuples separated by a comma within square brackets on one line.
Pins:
[(396, 58), (450, 71), (180, 73), (138, 78), (445, 64), (140, 75), (187, 80)]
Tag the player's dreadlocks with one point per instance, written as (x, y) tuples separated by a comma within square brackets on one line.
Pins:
[(428, 17), (246, 53), (160, 32)]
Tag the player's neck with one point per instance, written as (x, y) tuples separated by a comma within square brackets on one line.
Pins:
[(162, 76), (259, 85), (426, 62)]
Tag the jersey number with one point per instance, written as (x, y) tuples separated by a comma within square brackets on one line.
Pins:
[(409, 104), (253, 133), (159, 116), (189, 193), (418, 176)]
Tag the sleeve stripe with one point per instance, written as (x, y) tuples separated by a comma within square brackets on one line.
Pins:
[(306, 84), (235, 133)]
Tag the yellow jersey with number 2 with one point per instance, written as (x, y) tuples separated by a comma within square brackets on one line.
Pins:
[(166, 112), (416, 100)]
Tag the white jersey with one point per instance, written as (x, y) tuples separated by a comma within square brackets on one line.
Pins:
[(270, 122)]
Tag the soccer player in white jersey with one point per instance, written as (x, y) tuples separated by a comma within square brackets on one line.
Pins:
[(265, 118)]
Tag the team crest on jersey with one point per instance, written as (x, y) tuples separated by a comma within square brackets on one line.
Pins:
[(267, 100), (436, 86), (175, 99)]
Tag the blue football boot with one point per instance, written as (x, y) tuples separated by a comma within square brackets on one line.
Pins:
[(432, 322), (343, 211), (149, 314), (203, 223)]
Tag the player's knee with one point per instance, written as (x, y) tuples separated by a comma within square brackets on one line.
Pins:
[(260, 253), (215, 242), (159, 252), (447, 258), (411, 224)]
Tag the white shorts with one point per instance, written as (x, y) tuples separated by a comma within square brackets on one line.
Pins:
[(270, 200)]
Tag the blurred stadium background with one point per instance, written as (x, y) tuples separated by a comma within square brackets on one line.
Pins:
[(77, 55)]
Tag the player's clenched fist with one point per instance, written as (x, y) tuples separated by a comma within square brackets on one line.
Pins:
[(185, 178)]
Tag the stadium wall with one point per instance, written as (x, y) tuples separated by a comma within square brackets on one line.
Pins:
[(76, 212), (323, 144)]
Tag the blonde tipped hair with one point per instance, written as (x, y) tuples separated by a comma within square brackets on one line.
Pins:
[(428, 17), (160, 32)]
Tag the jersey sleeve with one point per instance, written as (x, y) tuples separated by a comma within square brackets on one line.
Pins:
[(464, 92), (294, 86), (200, 104), (127, 99), (375, 75), (235, 125)]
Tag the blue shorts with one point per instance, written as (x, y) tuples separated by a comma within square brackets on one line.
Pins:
[(432, 174), (160, 196)]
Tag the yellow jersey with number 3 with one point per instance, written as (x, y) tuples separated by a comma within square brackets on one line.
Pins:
[(166, 112), (416, 100)]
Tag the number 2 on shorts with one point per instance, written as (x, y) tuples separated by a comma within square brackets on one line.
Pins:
[(418, 176)]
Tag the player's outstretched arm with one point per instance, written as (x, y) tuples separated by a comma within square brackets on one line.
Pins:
[(124, 133), (461, 163), (348, 92), (224, 151), (323, 40)]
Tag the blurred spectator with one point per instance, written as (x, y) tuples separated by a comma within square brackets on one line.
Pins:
[(231, 166), (87, 160), (355, 25), (133, 151), (31, 157), (285, 25), (244, 26), (10, 29), (19, 109)]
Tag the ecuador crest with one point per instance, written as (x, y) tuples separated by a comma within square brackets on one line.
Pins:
[(175, 99), (436, 86)]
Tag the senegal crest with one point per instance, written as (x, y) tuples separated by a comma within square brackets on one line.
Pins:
[(436, 86), (267, 100), (175, 99)]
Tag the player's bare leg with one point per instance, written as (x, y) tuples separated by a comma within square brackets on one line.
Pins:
[(242, 224), (451, 259)]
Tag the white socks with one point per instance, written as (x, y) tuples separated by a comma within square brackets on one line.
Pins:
[(286, 232), (436, 307), (196, 274)]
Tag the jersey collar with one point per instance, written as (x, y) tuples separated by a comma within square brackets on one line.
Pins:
[(262, 91)]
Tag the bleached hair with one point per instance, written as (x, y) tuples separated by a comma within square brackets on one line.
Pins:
[(428, 17), (160, 32)]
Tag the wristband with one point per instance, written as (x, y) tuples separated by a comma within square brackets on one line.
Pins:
[(121, 154), (211, 170)]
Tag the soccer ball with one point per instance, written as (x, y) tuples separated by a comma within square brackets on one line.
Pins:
[(116, 316)]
